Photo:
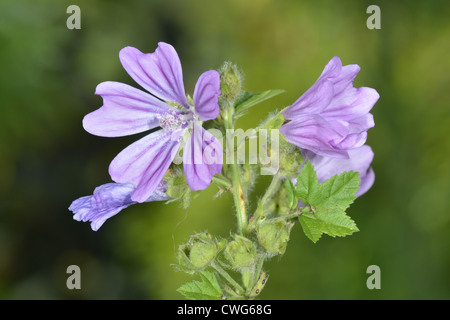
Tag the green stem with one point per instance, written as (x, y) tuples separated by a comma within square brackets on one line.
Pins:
[(259, 266), (270, 192), (222, 181), (227, 277), (236, 189)]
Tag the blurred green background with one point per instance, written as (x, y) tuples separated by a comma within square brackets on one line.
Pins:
[(48, 75)]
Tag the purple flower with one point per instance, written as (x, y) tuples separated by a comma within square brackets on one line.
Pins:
[(359, 160), (127, 111), (108, 200), (332, 116)]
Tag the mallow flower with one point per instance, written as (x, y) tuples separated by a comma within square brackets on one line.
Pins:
[(127, 111), (332, 116), (359, 160), (108, 200)]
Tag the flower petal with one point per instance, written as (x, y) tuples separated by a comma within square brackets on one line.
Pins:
[(159, 72), (312, 132), (313, 101), (206, 92), (108, 200), (359, 160), (126, 110), (145, 162), (352, 103), (202, 158)]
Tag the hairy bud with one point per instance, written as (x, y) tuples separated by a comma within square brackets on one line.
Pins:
[(198, 252), (273, 235), (241, 252)]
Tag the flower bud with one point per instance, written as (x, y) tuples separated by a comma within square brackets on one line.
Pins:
[(291, 158), (198, 252), (273, 235), (273, 121), (230, 82), (177, 187), (240, 253)]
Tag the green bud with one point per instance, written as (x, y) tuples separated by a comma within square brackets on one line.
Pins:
[(198, 252), (230, 82), (273, 235), (273, 121), (290, 158), (178, 188), (240, 253)]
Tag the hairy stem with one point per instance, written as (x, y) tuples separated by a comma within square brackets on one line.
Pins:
[(236, 189), (270, 192), (228, 278)]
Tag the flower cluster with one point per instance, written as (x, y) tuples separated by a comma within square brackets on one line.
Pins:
[(318, 154), (329, 123)]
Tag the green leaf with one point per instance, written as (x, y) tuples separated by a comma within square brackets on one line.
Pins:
[(206, 289), (249, 99), (328, 201), (307, 189)]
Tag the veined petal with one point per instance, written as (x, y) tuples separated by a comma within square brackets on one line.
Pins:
[(126, 110), (206, 92), (145, 162), (159, 72), (351, 103), (332, 69), (313, 101), (108, 200), (202, 158), (312, 132)]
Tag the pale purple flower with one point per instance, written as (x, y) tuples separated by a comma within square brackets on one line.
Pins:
[(359, 160), (108, 200), (127, 111), (332, 116)]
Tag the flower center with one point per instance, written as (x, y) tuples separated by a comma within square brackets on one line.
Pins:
[(173, 120)]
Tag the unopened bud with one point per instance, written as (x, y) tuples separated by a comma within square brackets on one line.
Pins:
[(241, 252), (273, 235), (198, 252), (230, 82), (290, 158), (177, 187)]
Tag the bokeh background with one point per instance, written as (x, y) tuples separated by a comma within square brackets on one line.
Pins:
[(48, 75)]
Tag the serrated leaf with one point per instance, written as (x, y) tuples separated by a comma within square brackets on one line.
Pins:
[(249, 99), (329, 200), (206, 289), (307, 189), (338, 226)]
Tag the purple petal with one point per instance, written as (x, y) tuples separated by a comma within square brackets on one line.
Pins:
[(359, 160), (352, 103), (202, 158), (145, 162), (159, 72), (332, 116), (108, 200), (314, 133), (206, 92), (313, 101), (367, 182), (126, 110)]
